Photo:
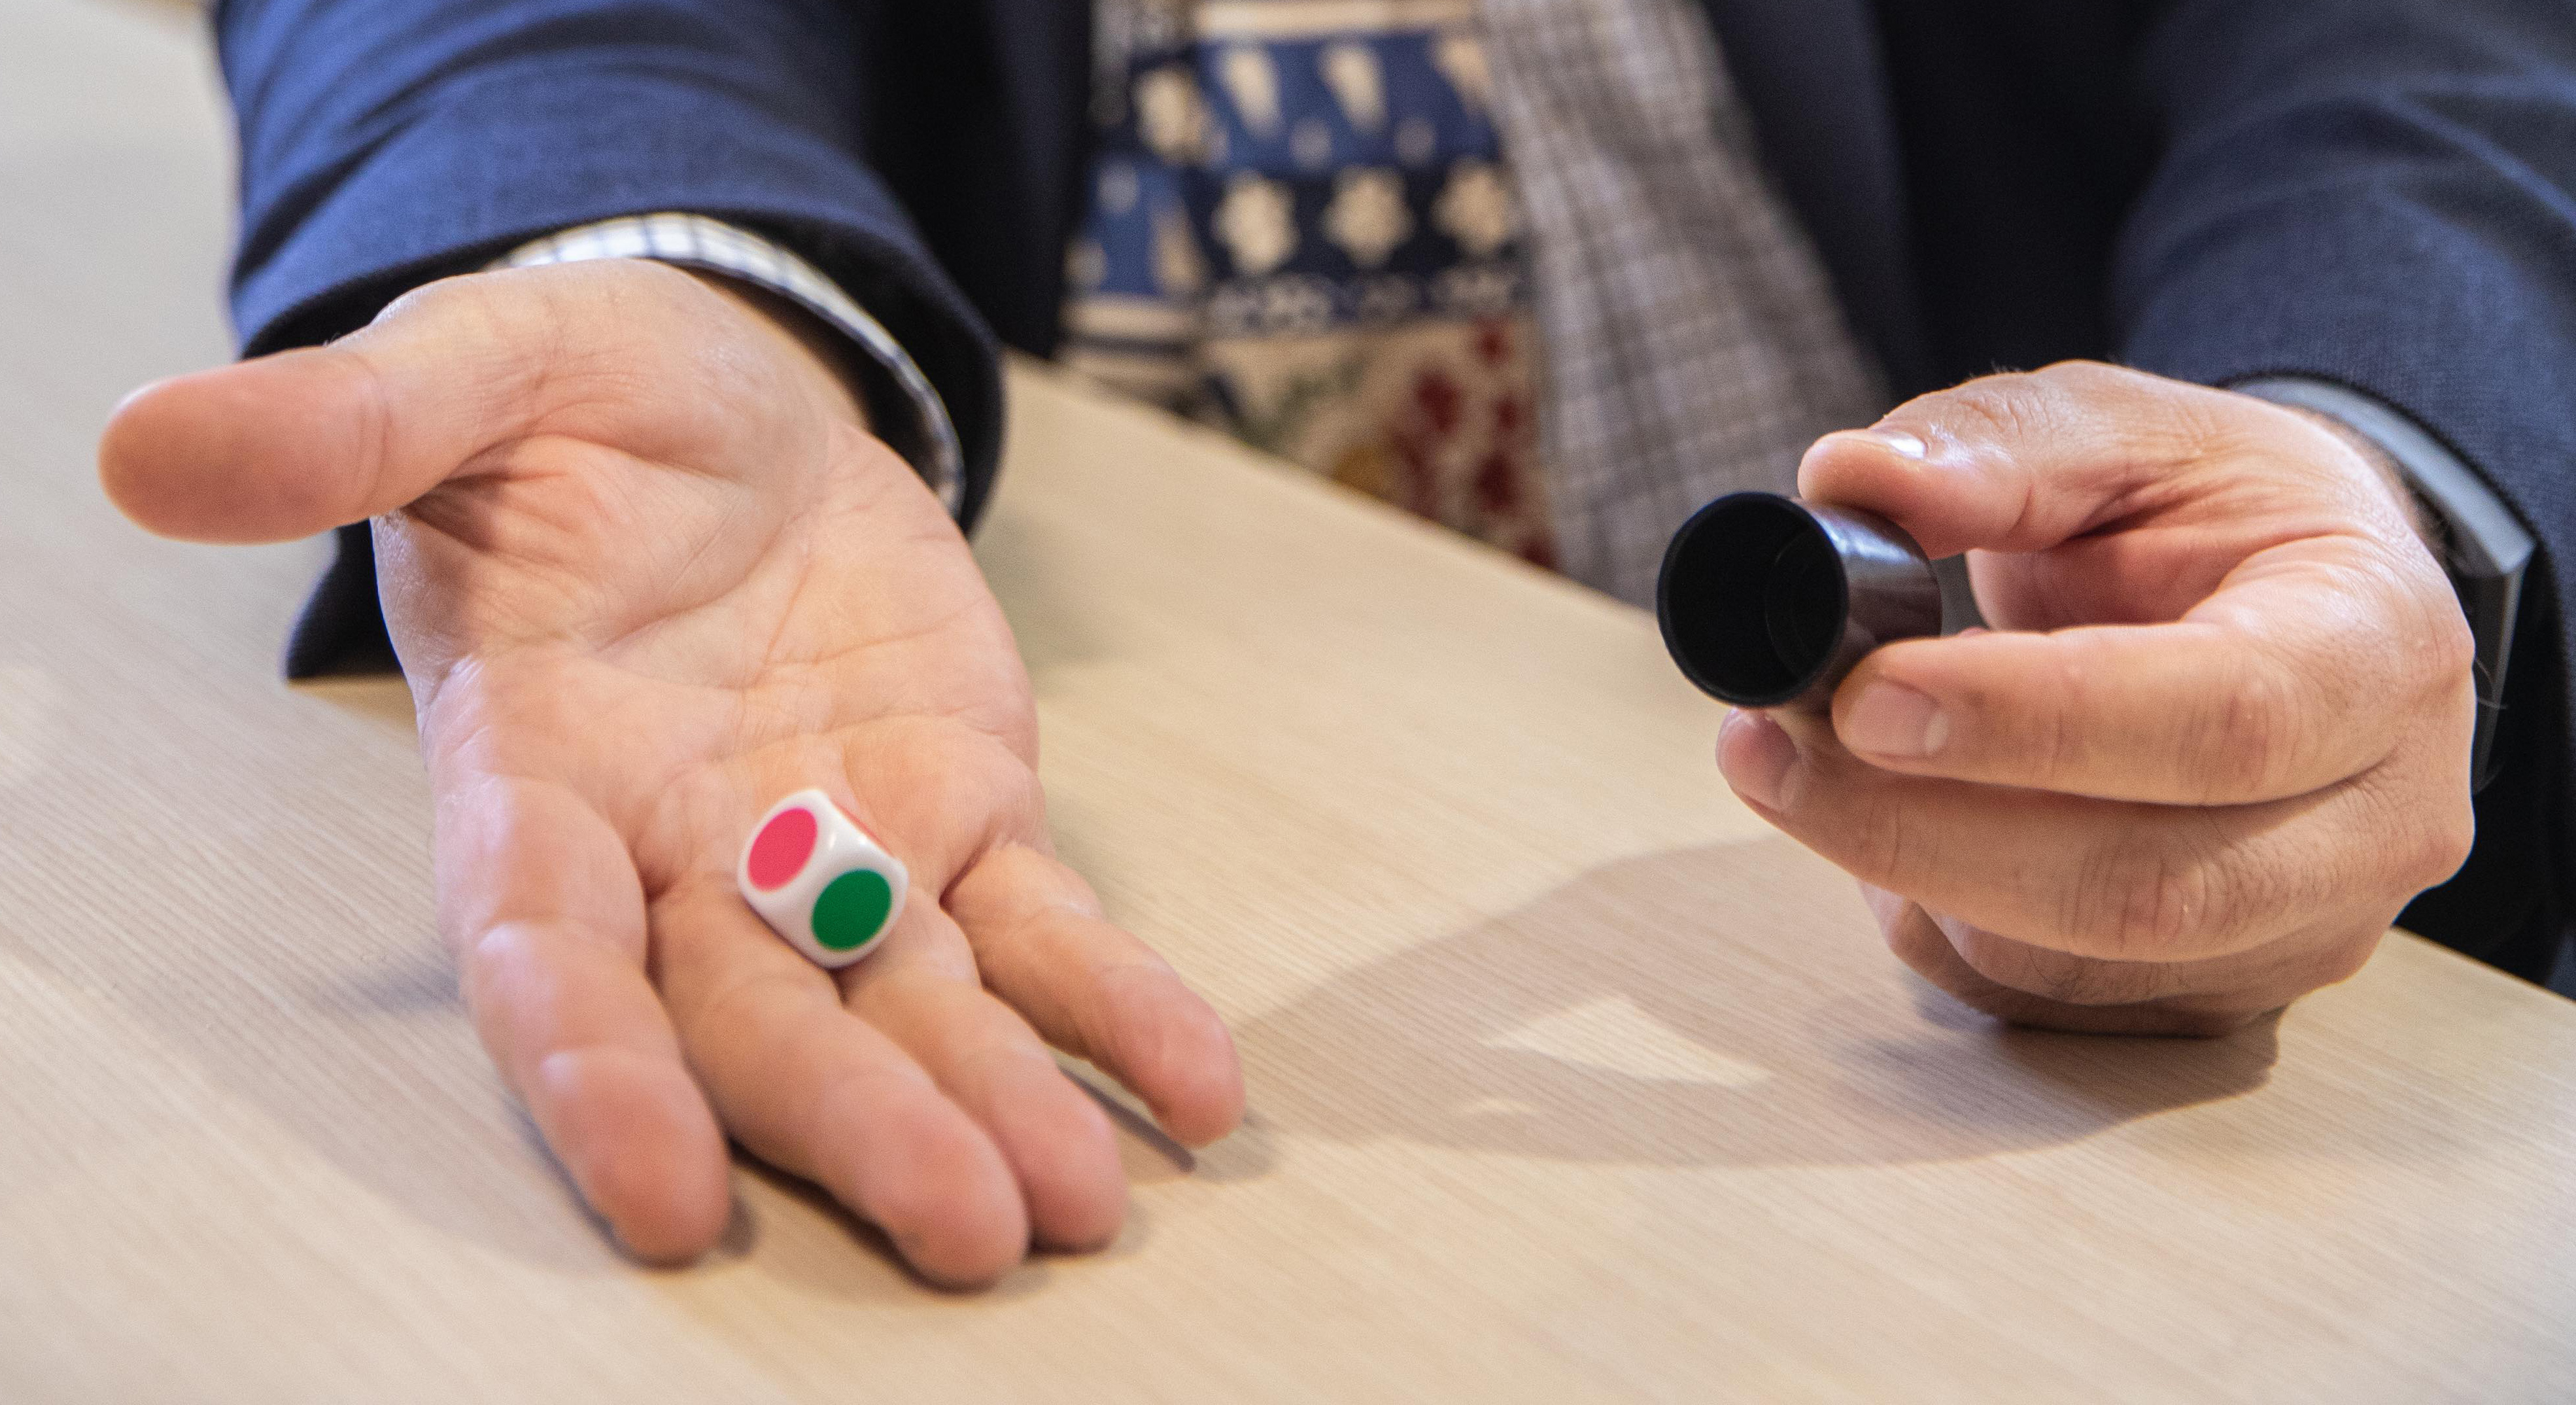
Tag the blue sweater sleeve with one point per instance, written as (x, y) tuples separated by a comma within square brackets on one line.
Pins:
[(2382, 194), (387, 144)]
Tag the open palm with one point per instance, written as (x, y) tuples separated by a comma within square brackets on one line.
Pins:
[(647, 574)]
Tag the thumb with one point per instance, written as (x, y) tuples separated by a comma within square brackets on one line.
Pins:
[(302, 441), (2021, 463)]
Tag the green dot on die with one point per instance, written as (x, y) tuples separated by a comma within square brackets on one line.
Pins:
[(852, 910)]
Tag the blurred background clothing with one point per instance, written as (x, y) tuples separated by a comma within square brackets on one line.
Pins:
[(1305, 222), (1300, 226)]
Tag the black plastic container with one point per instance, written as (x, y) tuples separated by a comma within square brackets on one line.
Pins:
[(1768, 601)]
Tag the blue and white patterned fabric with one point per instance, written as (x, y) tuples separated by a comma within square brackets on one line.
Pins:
[(1301, 228)]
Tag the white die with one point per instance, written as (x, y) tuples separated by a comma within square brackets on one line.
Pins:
[(819, 880)]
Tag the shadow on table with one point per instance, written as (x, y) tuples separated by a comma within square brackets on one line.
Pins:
[(1701, 1007)]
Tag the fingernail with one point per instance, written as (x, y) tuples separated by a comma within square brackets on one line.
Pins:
[(1899, 442), (1757, 758), (1890, 719)]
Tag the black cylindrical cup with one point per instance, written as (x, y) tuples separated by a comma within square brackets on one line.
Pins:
[(1769, 601)]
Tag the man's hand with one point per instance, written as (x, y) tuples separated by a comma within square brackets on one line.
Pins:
[(647, 574), (2219, 737)]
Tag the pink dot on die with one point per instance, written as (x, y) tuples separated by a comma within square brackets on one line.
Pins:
[(780, 850)]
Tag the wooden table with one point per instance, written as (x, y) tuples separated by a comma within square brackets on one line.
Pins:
[(1569, 1082)]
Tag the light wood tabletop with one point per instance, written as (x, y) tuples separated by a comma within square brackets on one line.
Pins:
[(1568, 1080)]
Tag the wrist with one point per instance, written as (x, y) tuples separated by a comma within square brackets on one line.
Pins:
[(818, 352), (2479, 543), (2383, 466), (898, 406)]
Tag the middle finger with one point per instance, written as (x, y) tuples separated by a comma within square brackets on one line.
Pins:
[(816, 1092), (2104, 879), (923, 993)]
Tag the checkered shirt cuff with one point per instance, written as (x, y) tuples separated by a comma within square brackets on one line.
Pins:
[(905, 410)]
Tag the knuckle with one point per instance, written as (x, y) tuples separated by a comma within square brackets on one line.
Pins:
[(2343, 960), (1925, 944), (1879, 841), (368, 448), (2054, 975), (2452, 846), (2441, 846), (2454, 652), (2008, 407), (2412, 837), (2247, 738), (1913, 938), (2056, 734), (2101, 909), (2448, 652), (2146, 901)]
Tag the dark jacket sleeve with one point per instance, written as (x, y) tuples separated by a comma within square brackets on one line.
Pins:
[(386, 144), (2382, 193)]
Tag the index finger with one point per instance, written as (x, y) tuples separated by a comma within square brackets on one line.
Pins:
[(2309, 666), (2027, 461)]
